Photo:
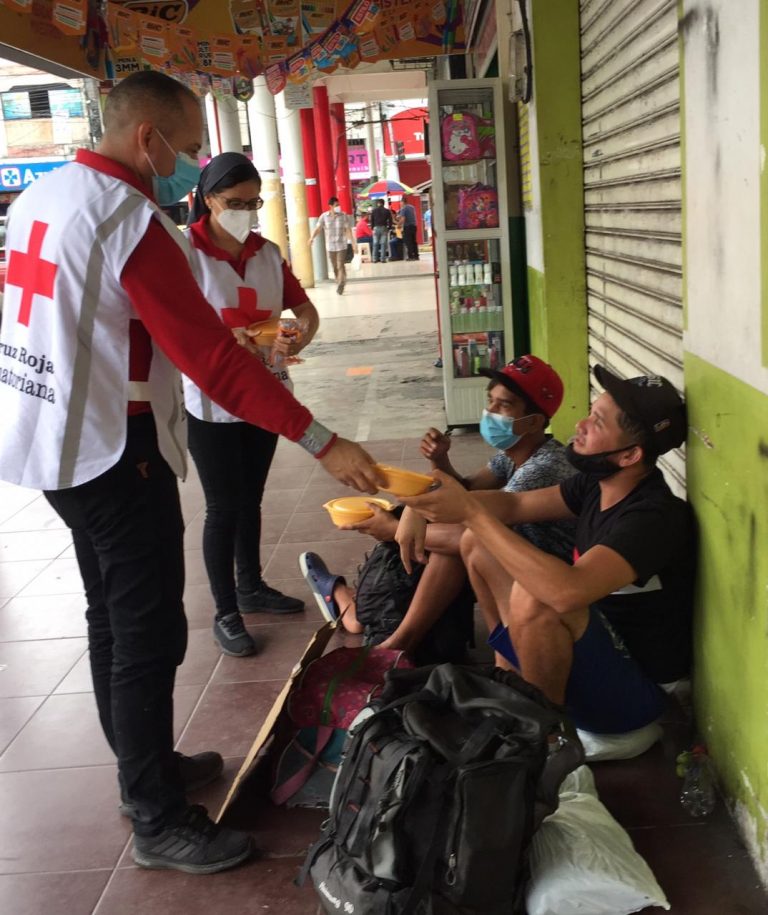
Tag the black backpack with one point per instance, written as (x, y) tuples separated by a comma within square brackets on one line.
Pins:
[(383, 594), (438, 795)]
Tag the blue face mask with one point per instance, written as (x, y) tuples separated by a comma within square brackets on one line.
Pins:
[(168, 189), (499, 431)]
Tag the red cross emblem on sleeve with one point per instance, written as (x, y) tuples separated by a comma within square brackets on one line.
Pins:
[(33, 275), (247, 311)]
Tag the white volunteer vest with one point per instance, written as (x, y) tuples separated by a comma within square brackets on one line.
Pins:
[(64, 342), (221, 283)]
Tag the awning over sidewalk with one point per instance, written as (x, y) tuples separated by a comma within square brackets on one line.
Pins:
[(210, 44)]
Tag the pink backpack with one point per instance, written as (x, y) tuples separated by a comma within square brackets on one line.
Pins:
[(478, 207), (322, 705), (460, 137)]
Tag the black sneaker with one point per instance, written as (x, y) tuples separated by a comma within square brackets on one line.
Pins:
[(232, 636), (268, 600), (196, 772), (194, 844)]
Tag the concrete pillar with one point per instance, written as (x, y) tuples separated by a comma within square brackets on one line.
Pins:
[(223, 124), (391, 168), (371, 113), (292, 160), (378, 138), (341, 157), (266, 157), (314, 204)]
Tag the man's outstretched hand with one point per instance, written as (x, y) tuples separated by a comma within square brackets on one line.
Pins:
[(449, 502), (352, 465)]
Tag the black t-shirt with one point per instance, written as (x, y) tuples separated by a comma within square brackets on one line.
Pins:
[(381, 216), (653, 531)]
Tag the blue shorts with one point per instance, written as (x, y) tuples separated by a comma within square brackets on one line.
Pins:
[(607, 691)]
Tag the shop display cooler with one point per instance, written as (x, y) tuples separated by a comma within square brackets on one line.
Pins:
[(470, 222)]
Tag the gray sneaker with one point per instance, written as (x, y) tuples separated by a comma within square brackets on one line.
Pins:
[(232, 636), (193, 844)]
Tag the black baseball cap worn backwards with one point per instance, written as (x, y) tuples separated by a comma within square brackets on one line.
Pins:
[(652, 401)]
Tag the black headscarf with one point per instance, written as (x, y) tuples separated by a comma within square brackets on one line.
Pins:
[(215, 172)]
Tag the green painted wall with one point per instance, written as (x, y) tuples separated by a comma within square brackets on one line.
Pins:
[(728, 488), (557, 299)]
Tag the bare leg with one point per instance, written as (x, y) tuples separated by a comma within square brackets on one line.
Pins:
[(440, 583), (345, 601), (444, 538), (543, 640), (491, 583)]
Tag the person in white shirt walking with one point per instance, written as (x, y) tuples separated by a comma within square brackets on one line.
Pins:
[(338, 233)]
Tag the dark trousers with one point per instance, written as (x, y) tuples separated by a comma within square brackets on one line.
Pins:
[(128, 534), (409, 241), (232, 460)]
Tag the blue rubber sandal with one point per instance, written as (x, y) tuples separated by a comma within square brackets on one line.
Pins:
[(322, 583)]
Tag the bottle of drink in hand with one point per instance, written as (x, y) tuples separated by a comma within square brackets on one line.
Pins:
[(293, 328)]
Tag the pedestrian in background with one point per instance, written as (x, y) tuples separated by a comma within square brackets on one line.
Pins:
[(407, 219), (337, 227), (381, 223), (363, 234)]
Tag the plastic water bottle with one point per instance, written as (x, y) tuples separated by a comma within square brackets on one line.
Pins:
[(698, 795)]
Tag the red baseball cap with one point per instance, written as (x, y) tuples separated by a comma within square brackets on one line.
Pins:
[(532, 378)]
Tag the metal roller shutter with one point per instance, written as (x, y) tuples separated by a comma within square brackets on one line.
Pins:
[(630, 73)]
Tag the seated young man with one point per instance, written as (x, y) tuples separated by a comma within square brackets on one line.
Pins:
[(521, 400), (601, 634)]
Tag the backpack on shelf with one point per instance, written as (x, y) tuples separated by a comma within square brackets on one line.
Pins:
[(478, 207), (321, 706), (442, 785), (459, 137)]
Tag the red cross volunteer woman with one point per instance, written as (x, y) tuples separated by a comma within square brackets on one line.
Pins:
[(101, 309), (247, 281)]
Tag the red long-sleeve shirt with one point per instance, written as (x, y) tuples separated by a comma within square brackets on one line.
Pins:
[(158, 280)]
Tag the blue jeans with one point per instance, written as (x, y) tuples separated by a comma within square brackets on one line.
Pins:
[(128, 534), (380, 243)]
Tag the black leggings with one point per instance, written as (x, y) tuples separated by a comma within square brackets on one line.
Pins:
[(232, 460)]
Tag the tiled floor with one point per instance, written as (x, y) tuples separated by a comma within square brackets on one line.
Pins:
[(63, 846)]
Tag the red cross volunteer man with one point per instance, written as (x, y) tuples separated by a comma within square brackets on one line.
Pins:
[(101, 309)]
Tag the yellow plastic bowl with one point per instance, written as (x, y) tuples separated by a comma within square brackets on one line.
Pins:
[(404, 482), (351, 509)]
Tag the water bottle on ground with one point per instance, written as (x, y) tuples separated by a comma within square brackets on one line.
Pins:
[(698, 795)]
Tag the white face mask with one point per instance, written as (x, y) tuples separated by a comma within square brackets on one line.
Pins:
[(238, 223), (337, 209)]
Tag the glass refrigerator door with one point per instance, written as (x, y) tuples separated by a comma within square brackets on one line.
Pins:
[(476, 314), (471, 235)]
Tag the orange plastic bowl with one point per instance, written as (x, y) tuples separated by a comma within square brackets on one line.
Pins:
[(404, 482), (351, 509), (267, 332)]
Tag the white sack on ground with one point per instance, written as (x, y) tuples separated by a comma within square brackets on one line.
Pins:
[(584, 863), (599, 747)]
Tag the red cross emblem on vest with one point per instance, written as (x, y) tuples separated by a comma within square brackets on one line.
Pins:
[(247, 311), (33, 275)]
